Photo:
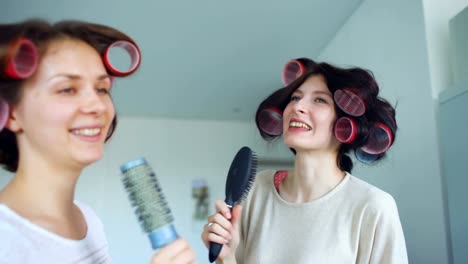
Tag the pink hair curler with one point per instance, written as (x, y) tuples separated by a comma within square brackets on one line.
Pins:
[(349, 100), (380, 139), (114, 51), (21, 59), (291, 71), (270, 121), (346, 129), (4, 113)]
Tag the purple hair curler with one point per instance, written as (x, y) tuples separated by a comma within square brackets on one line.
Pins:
[(113, 51), (291, 71), (270, 121), (21, 59), (349, 100)]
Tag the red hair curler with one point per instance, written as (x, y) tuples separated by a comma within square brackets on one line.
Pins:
[(21, 59), (380, 139), (270, 121), (346, 129), (111, 63), (291, 71), (349, 100), (4, 113)]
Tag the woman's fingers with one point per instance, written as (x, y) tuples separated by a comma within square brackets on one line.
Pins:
[(219, 220), (220, 231), (222, 208), (236, 214), (177, 252), (212, 237), (184, 257), (219, 228)]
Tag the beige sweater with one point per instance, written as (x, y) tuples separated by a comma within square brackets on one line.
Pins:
[(354, 223)]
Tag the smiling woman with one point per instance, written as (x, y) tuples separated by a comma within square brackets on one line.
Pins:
[(57, 116), (318, 212)]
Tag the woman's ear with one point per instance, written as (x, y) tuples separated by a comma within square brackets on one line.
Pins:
[(12, 123)]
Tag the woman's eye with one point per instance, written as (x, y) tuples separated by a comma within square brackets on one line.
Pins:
[(103, 90), (320, 100), (68, 90), (295, 98)]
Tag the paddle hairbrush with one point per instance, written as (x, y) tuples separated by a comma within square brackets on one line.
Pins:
[(239, 180), (151, 208)]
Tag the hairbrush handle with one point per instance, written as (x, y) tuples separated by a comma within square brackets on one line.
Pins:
[(163, 236), (215, 248)]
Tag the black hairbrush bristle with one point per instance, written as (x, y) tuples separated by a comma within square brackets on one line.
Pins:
[(240, 179), (241, 176)]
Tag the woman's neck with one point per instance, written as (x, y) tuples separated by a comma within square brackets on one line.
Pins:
[(45, 197), (314, 175), (41, 189)]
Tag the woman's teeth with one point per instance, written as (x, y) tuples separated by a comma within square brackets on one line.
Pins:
[(300, 125), (87, 131)]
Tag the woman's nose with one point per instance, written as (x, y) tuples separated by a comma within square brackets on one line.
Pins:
[(299, 107), (93, 103)]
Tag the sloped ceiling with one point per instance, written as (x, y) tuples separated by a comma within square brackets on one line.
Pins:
[(202, 59)]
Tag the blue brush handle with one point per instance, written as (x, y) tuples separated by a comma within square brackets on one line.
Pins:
[(162, 236)]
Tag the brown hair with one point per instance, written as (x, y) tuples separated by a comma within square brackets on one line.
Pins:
[(42, 33), (378, 109)]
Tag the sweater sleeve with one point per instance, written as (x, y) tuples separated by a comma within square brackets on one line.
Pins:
[(382, 240)]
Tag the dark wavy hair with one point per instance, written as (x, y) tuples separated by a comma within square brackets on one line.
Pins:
[(42, 33), (377, 108)]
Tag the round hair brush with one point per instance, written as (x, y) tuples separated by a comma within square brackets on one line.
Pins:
[(151, 208), (239, 181)]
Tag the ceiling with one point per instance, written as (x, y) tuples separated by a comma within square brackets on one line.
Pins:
[(206, 59)]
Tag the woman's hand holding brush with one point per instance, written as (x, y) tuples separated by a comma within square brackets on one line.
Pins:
[(223, 228), (177, 252)]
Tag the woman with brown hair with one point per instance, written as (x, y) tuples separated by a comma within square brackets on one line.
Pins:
[(57, 113), (317, 212)]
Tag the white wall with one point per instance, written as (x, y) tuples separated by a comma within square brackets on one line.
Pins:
[(437, 16), (389, 38), (455, 164)]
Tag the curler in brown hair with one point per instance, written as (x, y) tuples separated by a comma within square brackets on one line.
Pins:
[(111, 59), (19, 58), (346, 129), (364, 157), (349, 100), (380, 139), (270, 121), (291, 71)]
